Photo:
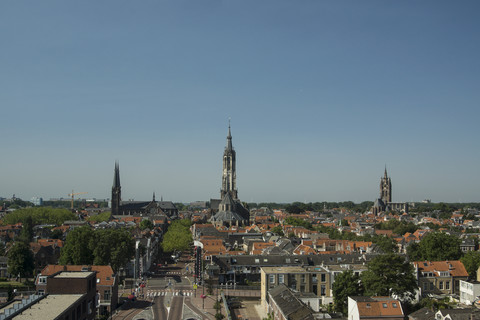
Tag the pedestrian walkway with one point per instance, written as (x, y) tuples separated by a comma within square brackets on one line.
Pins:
[(158, 293)]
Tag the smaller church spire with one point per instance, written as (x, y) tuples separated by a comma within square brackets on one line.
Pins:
[(153, 196), (385, 171)]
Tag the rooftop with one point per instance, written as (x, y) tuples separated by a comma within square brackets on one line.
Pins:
[(49, 307), (74, 274)]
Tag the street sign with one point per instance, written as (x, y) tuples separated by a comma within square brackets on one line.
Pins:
[(195, 286)]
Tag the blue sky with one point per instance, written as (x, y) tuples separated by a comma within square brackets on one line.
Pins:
[(321, 95)]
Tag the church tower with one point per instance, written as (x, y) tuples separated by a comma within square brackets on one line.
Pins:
[(116, 191), (386, 188), (229, 172)]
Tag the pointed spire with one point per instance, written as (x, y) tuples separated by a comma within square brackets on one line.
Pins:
[(116, 176), (385, 171), (153, 196), (229, 137)]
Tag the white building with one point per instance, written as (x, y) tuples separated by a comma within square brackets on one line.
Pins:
[(37, 201), (469, 291)]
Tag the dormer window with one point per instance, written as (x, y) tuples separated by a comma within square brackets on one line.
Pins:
[(384, 305)]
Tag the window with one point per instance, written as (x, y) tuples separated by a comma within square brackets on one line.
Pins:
[(281, 278), (42, 279), (425, 286), (323, 277), (440, 285), (447, 285), (271, 278), (106, 295), (257, 260), (394, 304), (384, 305), (303, 278), (323, 290), (431, 285)]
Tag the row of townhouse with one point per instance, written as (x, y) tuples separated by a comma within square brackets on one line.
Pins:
[(247, 268), (313, 284), (440, 277)]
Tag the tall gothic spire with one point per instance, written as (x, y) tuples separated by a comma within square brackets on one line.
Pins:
[(116, 191), (116, 176), (229, 138), (229, 163)]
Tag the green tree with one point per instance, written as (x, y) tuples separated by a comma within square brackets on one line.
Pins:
[(298, 223), (471, 261), (113, 247), (39, 215), (20, 260), (104, 216), (56, 234), (26, 234), (436, 246), (389, 274), (146, 224), (278, 230), (388, 245), (346, 284), (178, 236), (294, 209), (78, 247), (100, 247)]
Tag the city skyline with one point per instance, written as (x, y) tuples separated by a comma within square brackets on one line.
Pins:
[(321, 95)]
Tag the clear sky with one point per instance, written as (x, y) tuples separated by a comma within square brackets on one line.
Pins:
[(321, 95)]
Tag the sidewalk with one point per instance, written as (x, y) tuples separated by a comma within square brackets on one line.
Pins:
[(204, 306)]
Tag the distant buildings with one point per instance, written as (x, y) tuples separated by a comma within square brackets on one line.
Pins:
[(152, 207), (37, 201)]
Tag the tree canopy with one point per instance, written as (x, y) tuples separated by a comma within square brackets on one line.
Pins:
[(297, 222), (346, 284), (20, 260), (435, 246), (178, 236), (146, 224), (39, 215), (471, 261), (389, 274), (104, 216), (100, 247)]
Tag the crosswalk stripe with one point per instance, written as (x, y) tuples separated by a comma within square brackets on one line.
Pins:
[(158, 293)]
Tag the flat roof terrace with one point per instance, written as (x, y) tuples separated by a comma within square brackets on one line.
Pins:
[(74, 274), (49, 307)]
